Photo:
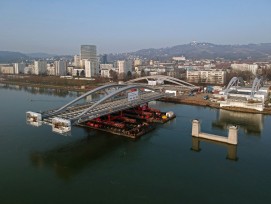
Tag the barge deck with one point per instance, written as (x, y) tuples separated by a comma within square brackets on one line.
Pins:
[(131, 123)]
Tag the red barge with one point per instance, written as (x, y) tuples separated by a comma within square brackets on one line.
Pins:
[(131, 123)]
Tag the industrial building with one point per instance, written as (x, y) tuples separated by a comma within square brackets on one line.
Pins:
[(244, 97)]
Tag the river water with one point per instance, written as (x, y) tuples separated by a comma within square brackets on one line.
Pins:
[(164, 166)]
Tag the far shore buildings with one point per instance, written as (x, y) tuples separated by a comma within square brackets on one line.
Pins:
[(40, 67), (124, 66), (19, 68), (105, 70), (60, 68), (211, 76), (87, 60), (6, 69), (245, 67)]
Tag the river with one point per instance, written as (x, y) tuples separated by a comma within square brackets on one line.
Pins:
[(164, 166)]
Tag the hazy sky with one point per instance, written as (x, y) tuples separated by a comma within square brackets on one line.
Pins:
[(61, 26)]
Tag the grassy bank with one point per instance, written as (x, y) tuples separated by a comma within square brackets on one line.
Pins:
[(52, 82)]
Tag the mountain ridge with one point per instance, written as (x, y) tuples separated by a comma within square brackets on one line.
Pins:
[(193, 50), (204, 50)]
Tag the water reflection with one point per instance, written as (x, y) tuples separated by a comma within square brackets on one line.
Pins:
[(70, 159), (251, 123), (41, 90), (231, 149)]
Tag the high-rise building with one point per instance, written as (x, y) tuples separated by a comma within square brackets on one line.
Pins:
[(103, 59), (91, 68), (19, 68), (76, 61), (60, 68), (124, 66), (88, 52), (40, 67), (90, 60)]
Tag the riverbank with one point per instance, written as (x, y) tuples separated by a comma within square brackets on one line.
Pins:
[(42, 82), (83, 86), (198, 100)]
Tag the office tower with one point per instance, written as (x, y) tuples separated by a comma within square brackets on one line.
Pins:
[(40, 67), (60, 68), (89, 60), (19, 68), (88, 52), (103, 59)]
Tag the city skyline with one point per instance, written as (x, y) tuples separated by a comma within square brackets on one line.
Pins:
[(60, 27)]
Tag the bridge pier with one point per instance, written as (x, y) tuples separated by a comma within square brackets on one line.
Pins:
[(231, 139), (231, 149)]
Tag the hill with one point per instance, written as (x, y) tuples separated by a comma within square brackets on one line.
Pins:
[(203, 51), (10, 57)]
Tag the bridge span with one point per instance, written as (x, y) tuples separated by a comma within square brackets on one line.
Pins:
[(113, 98), (162, 82)]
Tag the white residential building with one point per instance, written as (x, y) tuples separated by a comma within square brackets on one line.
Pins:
[(40, 67), (29, 69), (50, 69), (76, 60), (7, 69), (19, 68), (206, 76), (124, 66), (105, 70), (60, 68), (245, 67), (182, 58), (91, 68)]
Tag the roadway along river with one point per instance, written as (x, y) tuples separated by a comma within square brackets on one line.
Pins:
[(39, 166)]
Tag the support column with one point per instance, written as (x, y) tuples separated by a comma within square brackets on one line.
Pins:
[(195, 144), (232, 136), (232, 152), (195, 128)]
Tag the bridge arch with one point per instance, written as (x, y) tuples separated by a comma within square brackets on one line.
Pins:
[(101, 88), (257, 84), (234, 82), (165, 78), (111, 95)]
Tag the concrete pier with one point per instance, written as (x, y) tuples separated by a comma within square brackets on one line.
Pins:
[(231, 139), (231, 149)]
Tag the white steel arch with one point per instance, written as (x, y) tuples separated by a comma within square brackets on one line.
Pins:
[(165, 78), (111, 95), (233, 82), (257, 84), (101, 88)]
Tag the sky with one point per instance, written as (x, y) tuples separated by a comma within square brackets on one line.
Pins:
[(117, 26)]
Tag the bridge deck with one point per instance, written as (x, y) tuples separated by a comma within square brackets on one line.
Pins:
[(108, 107)]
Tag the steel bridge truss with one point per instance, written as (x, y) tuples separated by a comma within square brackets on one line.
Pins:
[(257, 84), (117, 97), (234, 82), (162, 78)]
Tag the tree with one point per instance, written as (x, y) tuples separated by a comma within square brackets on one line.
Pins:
[(113, 75), (142, 73), (129, 75)]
